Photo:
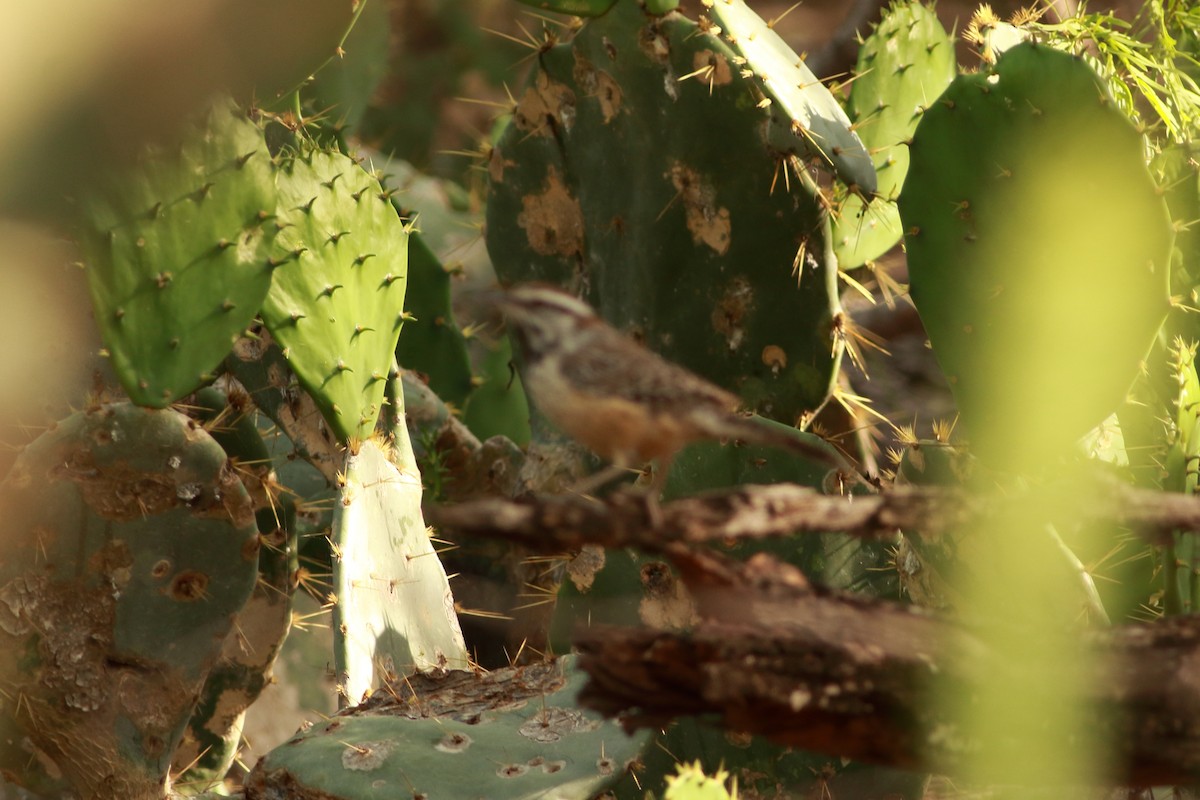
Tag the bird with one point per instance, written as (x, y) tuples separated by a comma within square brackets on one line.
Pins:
[(624, 402)]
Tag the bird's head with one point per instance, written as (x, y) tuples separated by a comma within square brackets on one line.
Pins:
[(540, 316)]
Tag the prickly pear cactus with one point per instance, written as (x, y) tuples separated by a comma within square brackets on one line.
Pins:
[(903, 66), (516, 733), (806, 118), (433, 344), (337, 299), (133, 546), (394, 613), (1181, 554), (1177, 171), (213, 736), (692, 784), (1038, 317), (214, 733), (602, 184), (259, 365), (179, 255)]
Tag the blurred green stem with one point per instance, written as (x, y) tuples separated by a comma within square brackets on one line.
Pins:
[(1172, 602), (1094, 604)]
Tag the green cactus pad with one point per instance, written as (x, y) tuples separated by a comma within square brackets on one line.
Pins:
[(511, 734), (132, 547), (498, 406), (1177, 170), (337, 297), (433, 344), (651, 195), (806, 117), (178, 254), (394, 614), (903, 66), (1038, 248), (214, 732)]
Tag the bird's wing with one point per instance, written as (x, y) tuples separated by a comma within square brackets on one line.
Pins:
[(624, 369)]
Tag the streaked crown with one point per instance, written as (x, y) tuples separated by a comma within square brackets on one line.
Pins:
[(541, 314)]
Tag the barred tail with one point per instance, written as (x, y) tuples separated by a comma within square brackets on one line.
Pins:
[(758, 430)]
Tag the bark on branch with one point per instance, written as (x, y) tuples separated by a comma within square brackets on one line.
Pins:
[(855, 677), (564, 522), (848, 675)]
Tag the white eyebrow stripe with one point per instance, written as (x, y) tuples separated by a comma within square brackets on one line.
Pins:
[(546, 298)]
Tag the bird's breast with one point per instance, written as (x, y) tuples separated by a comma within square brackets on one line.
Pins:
[(613, 427)]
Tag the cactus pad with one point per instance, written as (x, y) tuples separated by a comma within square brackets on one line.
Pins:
[(433, 344), (690, 250), (806, 117), (336, 301), (513, 733), (178, 254), (395, 614), (214, 732), (903, 66), (133, 545), (1038, 249)]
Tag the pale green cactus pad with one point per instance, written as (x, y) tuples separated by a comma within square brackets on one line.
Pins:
[(511, 734), (806, 117), (336, 301), (394, 614)]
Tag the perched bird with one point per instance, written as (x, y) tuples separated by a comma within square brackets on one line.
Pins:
[(625, 403)]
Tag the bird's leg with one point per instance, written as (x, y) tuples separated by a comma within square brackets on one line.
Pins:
[(662, 469), (597, 480), (619, 468)]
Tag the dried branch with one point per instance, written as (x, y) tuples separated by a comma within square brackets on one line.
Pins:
[(854, 677), (565, 522)]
